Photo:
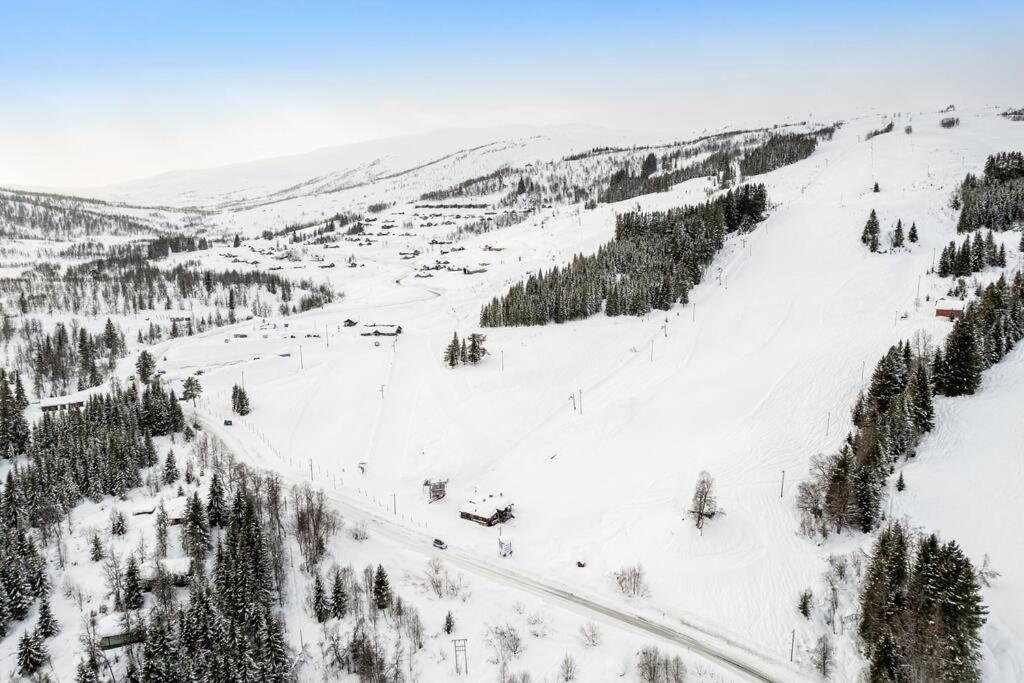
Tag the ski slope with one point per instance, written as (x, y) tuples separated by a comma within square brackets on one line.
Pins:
[(748, 381)]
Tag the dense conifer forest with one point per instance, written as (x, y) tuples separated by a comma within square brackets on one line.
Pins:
[(653, 262), (996, 200)]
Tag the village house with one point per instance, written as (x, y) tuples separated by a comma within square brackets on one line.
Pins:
[(950, 308), (487, 510)]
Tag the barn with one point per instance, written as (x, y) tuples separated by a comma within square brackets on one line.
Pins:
[(487, 510), (949, 308)]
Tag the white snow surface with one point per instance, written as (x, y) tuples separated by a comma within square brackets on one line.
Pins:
[(749, 381)]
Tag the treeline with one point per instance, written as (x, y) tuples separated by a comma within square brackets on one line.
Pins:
[(129, 284), (55, 217), (165, 245), (971, 257), (775, 151), (996, 200), (887, 128), (845, 489), (781, 150), (653, 262), (921, 610), (624, 184)]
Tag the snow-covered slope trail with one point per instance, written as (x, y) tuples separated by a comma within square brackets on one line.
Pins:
[(749, 381)]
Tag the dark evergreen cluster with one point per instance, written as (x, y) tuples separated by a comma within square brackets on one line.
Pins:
[(887, 128), (921, 610), (625, 184), (68, 360), (652, 263), (174, 244), (950, 122), (990, 327), (469, 350), (14, 430), (228, 630), (23, 578), (996, 200), (240, 401), (845, 488), (96, 451), (781, 150), (872, 230), (971, 257)]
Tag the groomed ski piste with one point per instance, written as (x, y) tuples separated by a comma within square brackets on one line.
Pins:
[(598, 429)]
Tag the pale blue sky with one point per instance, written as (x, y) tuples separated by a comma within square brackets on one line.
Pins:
[(104, 91)]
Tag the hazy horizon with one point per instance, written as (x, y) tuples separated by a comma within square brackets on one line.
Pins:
[(106, 94)]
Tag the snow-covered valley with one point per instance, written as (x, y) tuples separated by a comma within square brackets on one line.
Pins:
[(595, 429)]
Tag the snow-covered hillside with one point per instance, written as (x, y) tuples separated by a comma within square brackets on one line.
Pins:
[(598, 429)]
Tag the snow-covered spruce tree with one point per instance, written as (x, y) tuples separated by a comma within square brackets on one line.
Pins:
[(216, 512), (170, 473), (339, 596), (32, 653), (318, 603), (869, 236), (195, 533), (240, 401), (912, 235), (452, 351), (144, 366), (961, 369), (132, 585), (381, 588)]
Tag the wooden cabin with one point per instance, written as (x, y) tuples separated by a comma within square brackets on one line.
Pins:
[(950, 308), (488, 510)]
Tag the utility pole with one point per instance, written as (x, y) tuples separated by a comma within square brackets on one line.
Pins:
[(382, 391), (503, 360), (828, 422), (394, 505), (652, 350), (311, 468), (782, 486), (581, 400), (792, 642), (302, 365), (694, 311)]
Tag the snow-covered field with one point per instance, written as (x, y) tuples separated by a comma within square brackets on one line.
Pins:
[(597, 429)]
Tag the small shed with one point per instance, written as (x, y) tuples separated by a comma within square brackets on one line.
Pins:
[(950, 308), (114, 632), (178, 571), (50, 405), (487, 510), (436, 489), (175, 509)]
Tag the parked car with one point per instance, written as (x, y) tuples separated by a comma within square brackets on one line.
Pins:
[(227, 423), (439, 544)]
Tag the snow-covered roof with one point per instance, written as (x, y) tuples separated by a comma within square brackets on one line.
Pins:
[(485, 506), (178, 566), (111, 624), (176, 506), (947, 304)]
